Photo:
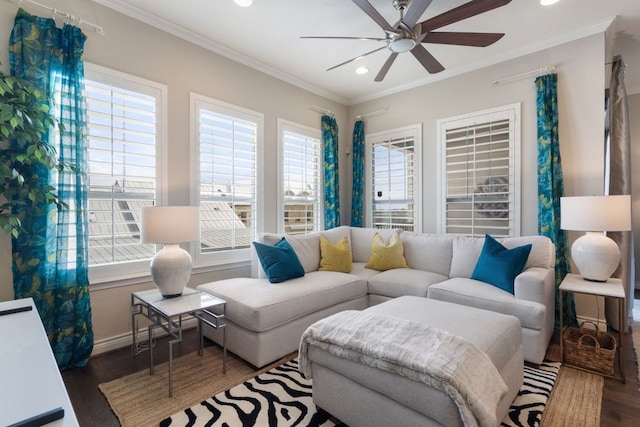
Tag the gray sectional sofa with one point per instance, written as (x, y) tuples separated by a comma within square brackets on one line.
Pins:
[(265, 321)]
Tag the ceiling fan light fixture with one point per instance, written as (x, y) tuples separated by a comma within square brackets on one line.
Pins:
[(362, 70), (403, 44), (243, 3)]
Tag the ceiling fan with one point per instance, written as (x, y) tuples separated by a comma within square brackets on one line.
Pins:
[(407, 34)]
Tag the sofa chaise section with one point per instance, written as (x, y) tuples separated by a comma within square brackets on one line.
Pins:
[(265, 321)]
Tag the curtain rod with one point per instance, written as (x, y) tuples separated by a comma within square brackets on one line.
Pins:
[(545, 69), (371, 114), (69, 17), (321, 110)]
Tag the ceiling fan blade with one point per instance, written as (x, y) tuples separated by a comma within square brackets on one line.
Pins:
[(467, 10), (356, 58), (416, 9), (385, 68), (374, 14), (462, 39), (427, 60), (378, 39)]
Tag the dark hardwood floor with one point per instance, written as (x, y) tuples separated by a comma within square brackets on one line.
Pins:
[(620, 403), (90, 405)]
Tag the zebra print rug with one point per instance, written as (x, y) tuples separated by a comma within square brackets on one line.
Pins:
[(282, 397)]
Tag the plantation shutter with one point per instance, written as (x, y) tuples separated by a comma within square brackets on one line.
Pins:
[(393, 179), (227, 159), (479, 176), (301, 182), (121, 171)]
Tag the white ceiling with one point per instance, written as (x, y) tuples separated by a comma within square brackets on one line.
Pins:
[(267, 35)]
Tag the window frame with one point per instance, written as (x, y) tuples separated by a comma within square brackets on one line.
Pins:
[(232, 256), (410, 131), (307, 131), (512, 112), (138, 268)]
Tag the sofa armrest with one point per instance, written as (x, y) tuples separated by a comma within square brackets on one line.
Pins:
[(536, 284)]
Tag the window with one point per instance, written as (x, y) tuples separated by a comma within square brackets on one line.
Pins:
[(392, 178), (124, 116), (301, 178), (226, 140), (480, 173)]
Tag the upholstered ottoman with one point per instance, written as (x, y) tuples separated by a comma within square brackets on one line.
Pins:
[(360, 393)]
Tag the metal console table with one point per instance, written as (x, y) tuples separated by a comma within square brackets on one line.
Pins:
[(167, 314)]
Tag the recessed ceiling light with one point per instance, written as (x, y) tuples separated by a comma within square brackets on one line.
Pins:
[(548, 2), (362, 70), (243, 3)]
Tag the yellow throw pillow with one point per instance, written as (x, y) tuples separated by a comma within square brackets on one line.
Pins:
[(335, 257), (385, 257)]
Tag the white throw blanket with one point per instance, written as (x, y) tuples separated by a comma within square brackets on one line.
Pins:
[(414, 350)]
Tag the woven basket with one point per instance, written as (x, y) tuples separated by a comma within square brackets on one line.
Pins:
[(590, 349)]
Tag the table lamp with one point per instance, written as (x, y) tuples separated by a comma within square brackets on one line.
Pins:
[(595, 254), (170, 225)]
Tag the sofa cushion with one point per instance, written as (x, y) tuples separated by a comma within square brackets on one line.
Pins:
[(385, 256), (335, 257), (403, 281), (273, 305), (498, 265), (474, 293), (359, 269), (279, 261), (361, 241), (428, 252), (466, 251)]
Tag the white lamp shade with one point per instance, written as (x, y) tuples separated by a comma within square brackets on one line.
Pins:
[(595, 254), (596, 213), (170, 224)]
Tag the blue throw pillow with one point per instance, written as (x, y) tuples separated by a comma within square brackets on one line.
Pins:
[(498, 265), (279, 262)]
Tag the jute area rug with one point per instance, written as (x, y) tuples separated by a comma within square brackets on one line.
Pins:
[(142, 400)]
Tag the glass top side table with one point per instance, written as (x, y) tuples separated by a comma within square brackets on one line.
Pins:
[(167, 313)]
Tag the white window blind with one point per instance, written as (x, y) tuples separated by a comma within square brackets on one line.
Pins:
[(393, 179), (121, 170), (479, 174), (301, 178), (227, 161)]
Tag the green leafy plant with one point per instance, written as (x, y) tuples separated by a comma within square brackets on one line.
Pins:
[(24, 121)]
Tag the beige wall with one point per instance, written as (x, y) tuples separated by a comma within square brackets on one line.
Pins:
[(138, 49), (580, 112), (580, 103)]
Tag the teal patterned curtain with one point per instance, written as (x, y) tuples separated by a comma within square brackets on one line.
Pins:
[(50, 259), (551, 186), (357, 196), (331, 180)]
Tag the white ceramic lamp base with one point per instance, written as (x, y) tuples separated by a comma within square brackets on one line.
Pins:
[(596, 256), (171, 270)]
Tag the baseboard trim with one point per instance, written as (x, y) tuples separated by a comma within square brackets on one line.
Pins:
[(125, 340)]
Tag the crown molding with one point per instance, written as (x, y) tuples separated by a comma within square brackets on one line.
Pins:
[(148, 18), (127, 9), (597, 28)]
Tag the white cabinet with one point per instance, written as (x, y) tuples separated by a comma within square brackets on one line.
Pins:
[(30, 381)]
